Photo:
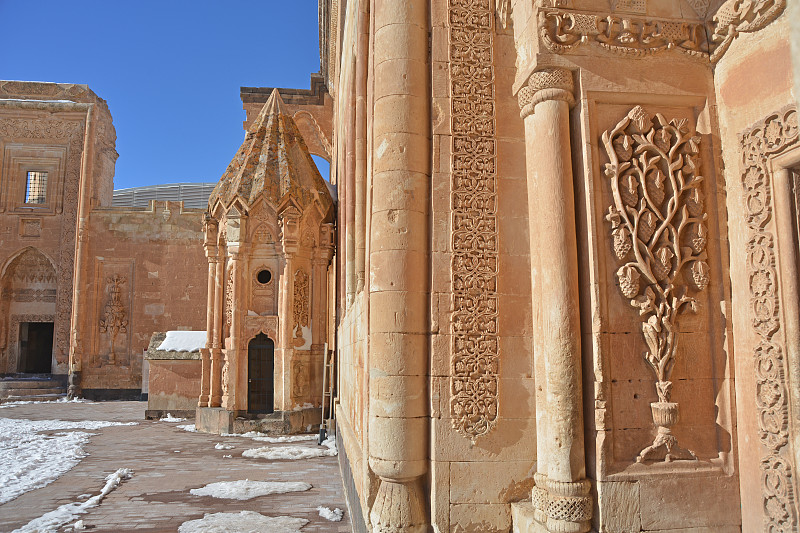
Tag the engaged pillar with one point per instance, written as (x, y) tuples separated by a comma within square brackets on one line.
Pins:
[(398, 276), (561, 496), (216, 352)]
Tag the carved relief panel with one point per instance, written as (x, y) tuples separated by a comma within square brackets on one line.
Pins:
[(114, 284), (659, 367)]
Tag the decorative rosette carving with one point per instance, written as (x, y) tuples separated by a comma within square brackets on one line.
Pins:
[(771, 136)]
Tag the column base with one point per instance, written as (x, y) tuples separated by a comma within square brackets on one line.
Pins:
[(562, 506), (398, 508)]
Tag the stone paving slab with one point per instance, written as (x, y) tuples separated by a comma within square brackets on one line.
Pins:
[(167, 462)]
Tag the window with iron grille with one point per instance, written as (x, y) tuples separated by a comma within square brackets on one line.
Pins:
[(36, 187)]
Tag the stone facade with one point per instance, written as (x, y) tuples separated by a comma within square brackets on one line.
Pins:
[(105, 278), (567, 239), (269, 242)]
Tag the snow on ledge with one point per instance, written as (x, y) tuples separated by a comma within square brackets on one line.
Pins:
[(183, 341)]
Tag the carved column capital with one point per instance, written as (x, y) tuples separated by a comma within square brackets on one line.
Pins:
[(546, 84)]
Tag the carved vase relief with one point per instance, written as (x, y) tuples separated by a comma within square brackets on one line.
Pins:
[(659, 236), (772, 136), (300, 310), (474, 262), (116, 317)]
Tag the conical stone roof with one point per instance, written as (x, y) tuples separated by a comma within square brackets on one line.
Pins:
[(273, 163)]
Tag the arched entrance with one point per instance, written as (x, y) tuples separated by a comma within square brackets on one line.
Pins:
[(28, 286), (260, 375)]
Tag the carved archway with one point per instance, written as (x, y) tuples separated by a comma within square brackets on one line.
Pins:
[(28, 285)]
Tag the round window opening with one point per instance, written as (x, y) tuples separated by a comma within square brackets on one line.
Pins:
[(264, 276)]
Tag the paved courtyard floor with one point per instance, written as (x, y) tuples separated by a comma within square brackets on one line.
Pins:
[(167, 462)]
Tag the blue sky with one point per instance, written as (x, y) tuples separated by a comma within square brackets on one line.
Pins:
[(170, 70)]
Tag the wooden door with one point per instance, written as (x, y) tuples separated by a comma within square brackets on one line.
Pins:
[(260, 375)]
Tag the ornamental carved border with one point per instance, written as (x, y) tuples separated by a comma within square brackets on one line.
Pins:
[(73, 132), (474, 239), (564, 30), (770, 137), (300, 306)]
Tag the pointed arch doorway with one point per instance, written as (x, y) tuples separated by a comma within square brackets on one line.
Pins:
[(260, 375)]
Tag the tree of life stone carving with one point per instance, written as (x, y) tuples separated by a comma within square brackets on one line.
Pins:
[(116, 317), (659, 233), (300, 310)]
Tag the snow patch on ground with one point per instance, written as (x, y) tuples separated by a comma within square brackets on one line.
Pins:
[(263, 437), (170, 418), (59, 400), (183, 341), (52, 521), (334, 515), (242, 522), (327, 449), (187, 427), (31, 459), (220, 446), (246, 489)]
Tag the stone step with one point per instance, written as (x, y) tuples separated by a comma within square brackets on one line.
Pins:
[(49, 397), (9, 384), (28, 393)]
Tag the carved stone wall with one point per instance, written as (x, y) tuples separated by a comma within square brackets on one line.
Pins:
[(770, 137), (474, 238), (71, 133)]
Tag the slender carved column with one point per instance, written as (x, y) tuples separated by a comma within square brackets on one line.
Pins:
[(398, 277), (561, 495), (205, 353), (290, 220), (362, 46), (232, 355), (216, 353)]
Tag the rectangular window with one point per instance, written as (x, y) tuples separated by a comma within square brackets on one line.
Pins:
[(36, 187)]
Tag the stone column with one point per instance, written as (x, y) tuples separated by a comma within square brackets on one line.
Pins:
[(232, 353), (362, 48), (216, 352), (561, 496), (205, 354), (290, 220), (399, 258)]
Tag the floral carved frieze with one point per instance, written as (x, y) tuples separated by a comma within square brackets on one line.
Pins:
[(658, 234), (564, 30), (474, 240), (115, 319), (770, 137)]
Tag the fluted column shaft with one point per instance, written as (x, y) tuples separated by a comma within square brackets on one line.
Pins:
[(399, 266), (561, 496)]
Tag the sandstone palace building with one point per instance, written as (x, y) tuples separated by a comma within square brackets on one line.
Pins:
[(556, 263)]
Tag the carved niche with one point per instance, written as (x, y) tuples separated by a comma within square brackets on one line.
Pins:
[(770, 137), (115, 320), (72, 132), (659, 235), (474, 262), (300, 309)]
